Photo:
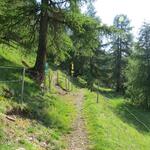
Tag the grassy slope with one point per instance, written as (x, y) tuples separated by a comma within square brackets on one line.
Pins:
[(44, 119), (111, 127)]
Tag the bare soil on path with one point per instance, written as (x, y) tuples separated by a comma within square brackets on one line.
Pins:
[(77, 140)]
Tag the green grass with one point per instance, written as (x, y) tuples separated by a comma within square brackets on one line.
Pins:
[(45, 117), (111, 127), (45, 124)]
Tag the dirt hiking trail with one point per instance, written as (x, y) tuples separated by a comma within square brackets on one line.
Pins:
[(77, 140)]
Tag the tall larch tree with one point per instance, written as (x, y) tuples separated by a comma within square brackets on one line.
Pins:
[(121, 49), (24, 21), (138, 69)]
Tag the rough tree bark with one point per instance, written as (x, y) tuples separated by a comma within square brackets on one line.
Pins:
[(38, 70), (118, 73), (118, 68)]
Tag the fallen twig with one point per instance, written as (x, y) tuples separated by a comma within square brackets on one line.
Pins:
[(10, 118)]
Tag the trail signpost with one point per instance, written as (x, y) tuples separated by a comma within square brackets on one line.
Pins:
[(72, 72), (72, 69), (46, 68), (46, 73)]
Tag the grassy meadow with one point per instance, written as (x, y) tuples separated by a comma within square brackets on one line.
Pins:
[(111, 124)]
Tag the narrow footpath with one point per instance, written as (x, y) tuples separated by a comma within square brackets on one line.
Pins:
[(77, 140)]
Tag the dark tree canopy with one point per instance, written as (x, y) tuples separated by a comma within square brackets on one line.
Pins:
[(138, 72), (32, 24)]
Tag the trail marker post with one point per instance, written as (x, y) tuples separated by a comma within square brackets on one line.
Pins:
[(66, 82), (57, 77), (46, 73), (72, 72), (50, 80), (97, 99), (72, 69)]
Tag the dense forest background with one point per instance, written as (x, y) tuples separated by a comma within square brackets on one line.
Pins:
[(60, 33)]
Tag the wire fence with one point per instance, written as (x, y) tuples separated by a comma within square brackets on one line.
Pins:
[(16, 85), (12, 85), (107, 100), (65, 81), (12, 82)]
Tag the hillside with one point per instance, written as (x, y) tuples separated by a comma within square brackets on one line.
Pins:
[(114, 123), (44, 121), (71, 80), (40, 120)]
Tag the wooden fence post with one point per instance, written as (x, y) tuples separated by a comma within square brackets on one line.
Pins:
[(58, 77), (22, 88), (66, 86), (50, 80), (97, 99), (98, 93)]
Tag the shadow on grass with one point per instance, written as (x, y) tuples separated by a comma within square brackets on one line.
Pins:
[(134, 116), (109, 93), (79, 82), (127, 112), (37, 106), (11, 80)]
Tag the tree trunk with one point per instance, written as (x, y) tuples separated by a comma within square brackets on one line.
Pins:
[(118, 69), (39, 68), (118, 82)]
